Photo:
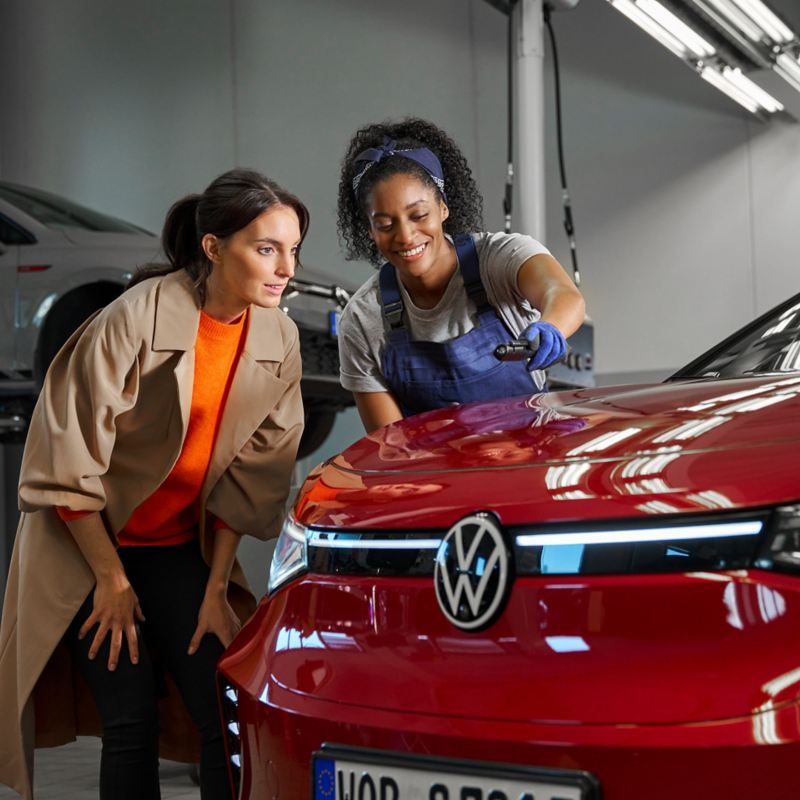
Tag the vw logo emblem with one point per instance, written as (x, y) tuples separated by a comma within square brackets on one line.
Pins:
[(471, 574)]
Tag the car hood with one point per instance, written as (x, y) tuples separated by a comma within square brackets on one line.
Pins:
[(668, 448)]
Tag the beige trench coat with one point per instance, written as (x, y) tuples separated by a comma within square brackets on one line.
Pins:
[(107, 429)]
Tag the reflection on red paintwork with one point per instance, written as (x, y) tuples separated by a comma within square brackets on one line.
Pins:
[(635, 452), (665, 686)]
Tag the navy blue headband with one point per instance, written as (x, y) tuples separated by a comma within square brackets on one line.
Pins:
[(425, 158)]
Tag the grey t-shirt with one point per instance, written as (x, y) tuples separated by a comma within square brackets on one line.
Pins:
[(362, 334)]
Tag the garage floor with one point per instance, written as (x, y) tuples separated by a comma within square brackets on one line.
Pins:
[(70, 773)]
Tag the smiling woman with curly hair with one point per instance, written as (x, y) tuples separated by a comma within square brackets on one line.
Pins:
[(421, 333)]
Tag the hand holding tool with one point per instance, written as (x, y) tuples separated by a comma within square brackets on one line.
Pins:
[(541, 343)]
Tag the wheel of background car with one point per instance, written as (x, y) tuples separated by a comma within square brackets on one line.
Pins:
[(65, 317), (319, 422)]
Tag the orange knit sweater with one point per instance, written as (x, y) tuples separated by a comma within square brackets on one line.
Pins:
[(170, 515)]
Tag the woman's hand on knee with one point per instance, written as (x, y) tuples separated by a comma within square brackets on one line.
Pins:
[(116, 611), (215, 616)]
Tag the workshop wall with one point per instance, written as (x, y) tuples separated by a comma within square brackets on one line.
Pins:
[(127, 107), (683, 203), (685, 207), (118, 105)]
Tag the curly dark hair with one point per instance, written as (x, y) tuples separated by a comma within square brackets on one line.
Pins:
[(463, 198)]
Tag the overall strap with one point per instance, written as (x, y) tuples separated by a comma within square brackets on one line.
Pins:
[(391, 302), (470, 270)]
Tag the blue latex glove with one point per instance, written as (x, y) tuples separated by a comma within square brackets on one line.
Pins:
[(547, 341)]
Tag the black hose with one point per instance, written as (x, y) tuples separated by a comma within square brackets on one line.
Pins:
[(508, 197), (569, 227)]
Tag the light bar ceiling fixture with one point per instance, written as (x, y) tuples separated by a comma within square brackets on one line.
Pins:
[(665, 27), (788, 67), (722, 40), (755, 20)]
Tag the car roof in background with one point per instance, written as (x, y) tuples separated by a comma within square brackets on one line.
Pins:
[(57, 212)]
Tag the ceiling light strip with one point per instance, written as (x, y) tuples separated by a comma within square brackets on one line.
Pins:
[(649, 25), (637, 535), (716, 79), (767, 20), (739, 19), (689, 38), (752, 90), (788, 68)]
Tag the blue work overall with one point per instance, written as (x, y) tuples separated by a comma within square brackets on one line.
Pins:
[(425, 375)]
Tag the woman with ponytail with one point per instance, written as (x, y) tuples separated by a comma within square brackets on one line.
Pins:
[(166, 429), (421, 333)]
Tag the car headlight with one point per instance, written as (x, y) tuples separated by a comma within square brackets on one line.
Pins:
[(290, 557), (781, 550)]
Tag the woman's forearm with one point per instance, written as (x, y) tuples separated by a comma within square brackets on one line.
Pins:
[(115, 607), (545, 284), (216, 615), (564, 308), (95, 544), (226, 542), (377, 409)]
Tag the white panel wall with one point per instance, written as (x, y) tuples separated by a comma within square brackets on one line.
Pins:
[(126, 107), (775, 157), (122, 106), (310, 73), (686, 209), (685, 206)]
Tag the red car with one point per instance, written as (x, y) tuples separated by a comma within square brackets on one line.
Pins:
[(571, 596)]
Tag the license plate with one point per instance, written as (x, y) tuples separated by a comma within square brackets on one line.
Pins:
[(343, 773)]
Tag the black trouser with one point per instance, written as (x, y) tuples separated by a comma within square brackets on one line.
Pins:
[(169, 582)]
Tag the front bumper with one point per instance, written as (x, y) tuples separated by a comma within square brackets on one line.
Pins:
[(280, 732), (373, 664)]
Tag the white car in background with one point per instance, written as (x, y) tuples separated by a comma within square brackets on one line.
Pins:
[(60, 261)]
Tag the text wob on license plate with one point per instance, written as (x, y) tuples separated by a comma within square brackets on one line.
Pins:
[(345, 774)]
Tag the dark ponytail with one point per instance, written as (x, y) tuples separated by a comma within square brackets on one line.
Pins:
[(179, 238), (230, 203)]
